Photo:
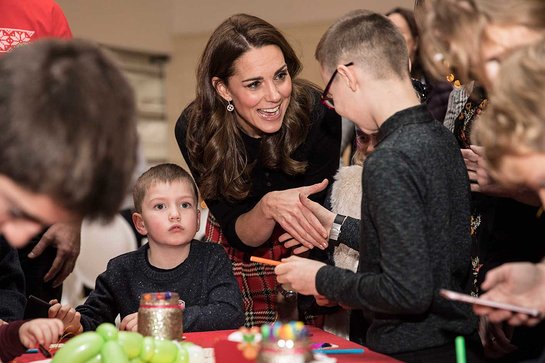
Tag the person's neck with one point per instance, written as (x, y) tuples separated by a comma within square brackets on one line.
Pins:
[(167, 257), (391, 97)]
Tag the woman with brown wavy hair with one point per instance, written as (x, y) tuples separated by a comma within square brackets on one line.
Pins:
[(256, 137)]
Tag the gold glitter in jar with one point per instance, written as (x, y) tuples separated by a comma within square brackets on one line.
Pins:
[(160, 315)]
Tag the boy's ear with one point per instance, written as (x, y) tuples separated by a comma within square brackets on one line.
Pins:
[(138, 222), (221, 88), (198, 219), (348, 74)]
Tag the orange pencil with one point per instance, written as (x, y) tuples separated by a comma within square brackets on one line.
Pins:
[(265, 261)]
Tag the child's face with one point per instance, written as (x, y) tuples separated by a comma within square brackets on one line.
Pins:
[(24, 214), (169, 214)]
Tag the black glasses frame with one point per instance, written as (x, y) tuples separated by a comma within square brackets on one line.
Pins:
[(325, 99)]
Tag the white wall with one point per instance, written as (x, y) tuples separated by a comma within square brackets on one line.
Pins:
[(180, 29), (150, 24)]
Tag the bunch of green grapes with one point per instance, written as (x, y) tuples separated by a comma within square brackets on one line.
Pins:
[(108, 345)]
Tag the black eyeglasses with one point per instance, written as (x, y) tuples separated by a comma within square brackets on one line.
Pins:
[(325, 99)]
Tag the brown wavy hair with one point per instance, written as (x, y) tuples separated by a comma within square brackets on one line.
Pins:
[(214, 142), (68, 125)]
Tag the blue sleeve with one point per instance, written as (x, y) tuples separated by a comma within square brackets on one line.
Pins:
[(100, 306)]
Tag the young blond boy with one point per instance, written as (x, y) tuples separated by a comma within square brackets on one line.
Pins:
[(166, 202)]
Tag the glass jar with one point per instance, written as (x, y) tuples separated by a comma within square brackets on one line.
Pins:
[(284, 351), (161, 315)]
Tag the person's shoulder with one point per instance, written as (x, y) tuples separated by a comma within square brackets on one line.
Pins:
[(127, 258), (185, 116)]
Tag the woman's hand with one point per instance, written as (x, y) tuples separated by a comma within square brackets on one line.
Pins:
[(517, 283), (289, 209), (290, 242)]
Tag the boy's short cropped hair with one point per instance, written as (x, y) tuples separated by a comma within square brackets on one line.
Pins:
[(67, 121), (162, 173), (368, 39)]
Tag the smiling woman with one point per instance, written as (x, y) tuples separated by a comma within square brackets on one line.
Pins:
[(256, 137)]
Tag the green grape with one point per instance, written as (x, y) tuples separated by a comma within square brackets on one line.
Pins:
[(96, 359), (113, 353), (183, 354), (131, 342), (148, 345), (80, 348), (195, 352), (165, 351), (108, 331)]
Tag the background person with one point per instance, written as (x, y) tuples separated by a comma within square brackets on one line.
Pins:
[(70, 153)]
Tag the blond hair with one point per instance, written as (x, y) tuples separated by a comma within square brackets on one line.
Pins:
[(514, 123), (162, 173), (369, 40), (455, 30)]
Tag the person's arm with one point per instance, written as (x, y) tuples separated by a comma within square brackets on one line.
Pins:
[(10, 342), (66, 237), (404, 285), (59, 24), (223, 308), (100, 307), (249, 223), (350, 228), (12, 284)]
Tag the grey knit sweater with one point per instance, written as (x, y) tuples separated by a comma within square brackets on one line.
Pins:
[(414, 239), (204, 281)]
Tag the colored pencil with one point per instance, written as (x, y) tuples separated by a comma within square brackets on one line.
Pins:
[(339, 351), (44, 351), (265, 261)]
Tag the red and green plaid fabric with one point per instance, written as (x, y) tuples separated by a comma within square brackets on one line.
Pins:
[(257, 282)]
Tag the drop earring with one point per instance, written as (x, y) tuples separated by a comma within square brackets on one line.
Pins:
[(230, 106)]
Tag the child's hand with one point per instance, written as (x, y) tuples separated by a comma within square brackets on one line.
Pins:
[(129, 323), (40, 331), (69, 316)]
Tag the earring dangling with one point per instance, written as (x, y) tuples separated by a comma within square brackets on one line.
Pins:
[(230, 106)]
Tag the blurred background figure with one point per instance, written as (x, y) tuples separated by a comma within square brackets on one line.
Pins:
[(438, 89)]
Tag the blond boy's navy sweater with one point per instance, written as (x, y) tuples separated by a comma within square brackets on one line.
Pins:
[(205, 281)]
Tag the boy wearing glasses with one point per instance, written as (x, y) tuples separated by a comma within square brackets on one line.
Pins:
[(415, 205)]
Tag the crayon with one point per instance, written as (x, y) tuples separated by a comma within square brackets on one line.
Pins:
[(265, 261)]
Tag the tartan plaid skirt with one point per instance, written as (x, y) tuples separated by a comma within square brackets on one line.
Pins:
[(257, 282)]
